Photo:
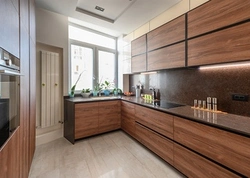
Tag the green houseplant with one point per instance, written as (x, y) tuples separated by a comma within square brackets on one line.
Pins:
[(117, 91), (72, 90), (97, 89), (107, 85), (85, 93)]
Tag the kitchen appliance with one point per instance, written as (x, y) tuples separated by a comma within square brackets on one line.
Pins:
[(9, 95)]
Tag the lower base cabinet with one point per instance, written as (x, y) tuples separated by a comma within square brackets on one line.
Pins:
[(160, 145), (194, 165), (88, 119), (128, 118)]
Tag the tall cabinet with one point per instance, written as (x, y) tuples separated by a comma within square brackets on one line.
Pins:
[(17, 36)]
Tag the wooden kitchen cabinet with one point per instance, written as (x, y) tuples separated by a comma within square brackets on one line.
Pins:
[(216, 14), (86, 119), (138, 46), (158, 121), (160, 145), (196, 166), (166, 58), (138, 53), (169, 33), (227, 45), (128, 118), (139, 63), (226, 148), (109, 116)]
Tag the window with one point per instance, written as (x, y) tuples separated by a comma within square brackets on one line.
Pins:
[(93, 56), (106, 63), (81, 63)]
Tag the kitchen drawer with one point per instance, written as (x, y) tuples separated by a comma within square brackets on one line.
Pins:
[(155, 120), (226, 148), (128, 107), (86, 109), (160, 145), (196, 166)]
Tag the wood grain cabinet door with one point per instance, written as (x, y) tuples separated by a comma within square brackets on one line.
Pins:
[(155, 120), (226, 148), (196, 166), (160, 145), (169, 33), (166, 58), (228, 45), (128, 118), (139, 63), (138, 46), (216, 14), (86, 119), (109, 116)]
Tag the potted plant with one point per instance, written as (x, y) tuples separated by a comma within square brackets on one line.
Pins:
[(72, 90), (107, 85), (97, 89), (85, 93), (117, 91)]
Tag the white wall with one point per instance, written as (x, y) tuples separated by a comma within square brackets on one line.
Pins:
[(52, 30)]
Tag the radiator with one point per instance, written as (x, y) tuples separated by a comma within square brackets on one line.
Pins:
[(50, 89)]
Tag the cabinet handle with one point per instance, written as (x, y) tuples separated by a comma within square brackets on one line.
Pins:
[(43, 84), (56, 84)]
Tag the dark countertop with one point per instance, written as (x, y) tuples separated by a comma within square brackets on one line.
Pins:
[(230, 122)]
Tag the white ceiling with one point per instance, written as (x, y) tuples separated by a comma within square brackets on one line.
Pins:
[(119, 17)]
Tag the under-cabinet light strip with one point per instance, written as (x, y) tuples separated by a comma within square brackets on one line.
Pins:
[(232, 65), (145, 73)]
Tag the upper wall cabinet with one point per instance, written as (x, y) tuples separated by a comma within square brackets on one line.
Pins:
[(165, 58), (167, 34), (216, 14), (9, 28), (138, 46), (138, 53), (228, 45), (139, 63)]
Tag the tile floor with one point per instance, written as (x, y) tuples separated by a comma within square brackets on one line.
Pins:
[(110, 155)]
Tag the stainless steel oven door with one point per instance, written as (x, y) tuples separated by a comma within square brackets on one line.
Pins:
[(9, 105)]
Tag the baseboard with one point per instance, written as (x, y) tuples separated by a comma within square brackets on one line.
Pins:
[(48, 137)]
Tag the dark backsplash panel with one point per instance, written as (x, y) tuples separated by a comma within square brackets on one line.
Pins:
[(184, 85)]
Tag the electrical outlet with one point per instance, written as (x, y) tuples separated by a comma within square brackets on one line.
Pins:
[(239, 97)]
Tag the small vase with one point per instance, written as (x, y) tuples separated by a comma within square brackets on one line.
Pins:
[(71, 94), (115, 93), (106, 92), (95, 93)]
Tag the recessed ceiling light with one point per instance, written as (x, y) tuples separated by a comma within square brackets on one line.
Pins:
[(99, 8)]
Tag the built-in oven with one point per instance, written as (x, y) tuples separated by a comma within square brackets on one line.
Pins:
[(9, 95)]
